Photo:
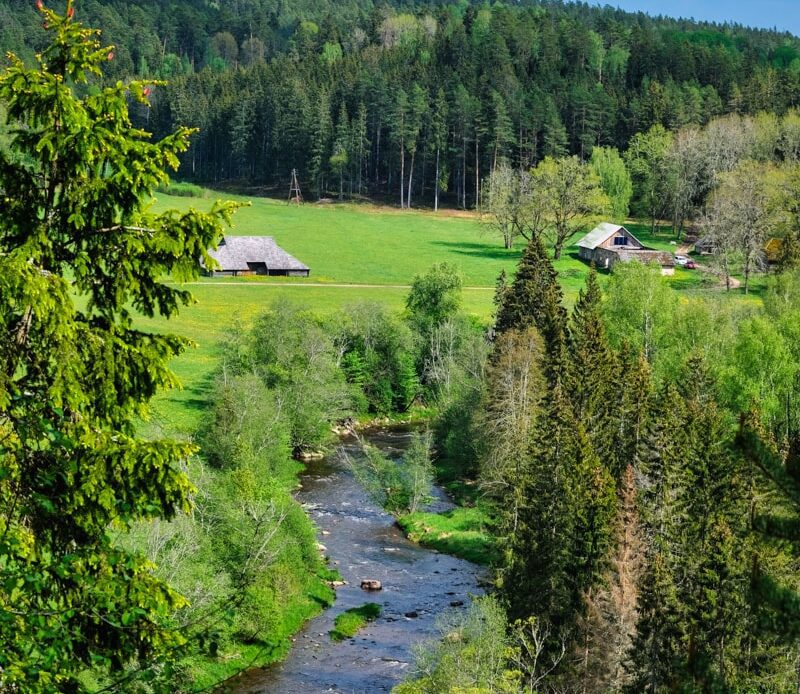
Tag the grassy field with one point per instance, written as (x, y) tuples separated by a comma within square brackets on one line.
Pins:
[(378, 250)]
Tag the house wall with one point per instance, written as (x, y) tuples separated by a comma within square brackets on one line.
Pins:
[(609, 242), (604, 258), (586, 254)]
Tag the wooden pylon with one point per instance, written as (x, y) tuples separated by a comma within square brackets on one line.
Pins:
[(295, 195)]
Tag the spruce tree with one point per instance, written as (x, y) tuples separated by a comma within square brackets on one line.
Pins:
[(590, 370), (711, 505), (693, 616), (560, 537), (80, 252), (631, 409), (534, 299), (660, 631), (609, 623)]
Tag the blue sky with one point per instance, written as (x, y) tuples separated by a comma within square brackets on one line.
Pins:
[(783, 14)]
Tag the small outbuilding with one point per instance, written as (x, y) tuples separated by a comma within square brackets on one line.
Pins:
[(608, 243), (773, 250), (254, 255), (705, 246)]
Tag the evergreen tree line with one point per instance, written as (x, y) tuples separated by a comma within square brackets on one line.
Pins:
[(645, 484), (413, 106)]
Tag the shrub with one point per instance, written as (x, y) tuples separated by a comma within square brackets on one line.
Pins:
[(351, 621), (401, 486), (182, 190)]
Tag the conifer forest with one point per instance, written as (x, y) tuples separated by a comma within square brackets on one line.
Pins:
[(463, 451)]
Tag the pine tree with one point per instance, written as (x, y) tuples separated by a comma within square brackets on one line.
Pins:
[(660, 631), (320, 142), (417, 108), (438, 141), (502, 129), (340, 157), (560, 537), (399, 129), (534, 299), (361, 145), (590, 370)]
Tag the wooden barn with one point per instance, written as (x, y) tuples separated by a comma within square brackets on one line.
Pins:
[(254, 255), (608, 243)]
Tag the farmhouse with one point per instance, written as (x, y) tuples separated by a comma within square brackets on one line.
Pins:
[(254, 255), (608, 243)]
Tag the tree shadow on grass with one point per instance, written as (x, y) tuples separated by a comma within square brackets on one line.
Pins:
[(481, 250)]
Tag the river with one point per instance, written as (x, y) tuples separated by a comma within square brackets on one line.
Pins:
[(363, 542)]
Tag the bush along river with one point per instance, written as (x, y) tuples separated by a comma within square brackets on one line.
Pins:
[(364, 544)]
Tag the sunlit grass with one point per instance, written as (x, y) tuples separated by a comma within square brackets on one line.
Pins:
[(350, 622), (464, 532)]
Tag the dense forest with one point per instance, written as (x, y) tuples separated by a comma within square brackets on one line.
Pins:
[(634, 456), (418, 98)]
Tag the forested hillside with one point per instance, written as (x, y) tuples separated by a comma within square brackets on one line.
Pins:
[(360, 97), (621, 445)]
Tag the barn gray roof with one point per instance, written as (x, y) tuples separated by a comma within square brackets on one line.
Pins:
[(234, 252), (600, 234)]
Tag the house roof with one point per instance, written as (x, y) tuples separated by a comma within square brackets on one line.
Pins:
[(601, 233), (235, 252), (646, 256)]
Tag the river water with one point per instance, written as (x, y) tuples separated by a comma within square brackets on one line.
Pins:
[(364, 543)]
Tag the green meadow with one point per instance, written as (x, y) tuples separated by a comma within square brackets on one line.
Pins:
[(356, 253)]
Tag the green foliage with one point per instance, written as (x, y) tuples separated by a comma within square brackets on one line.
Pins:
[(639, 308), (614, 180), (534, 300), (247, 557), (693, 620), (182, 190), (295, 356), (73, 474), (434, 297), (399, 486), (572, 198), (646, 160), (560, 531), (471, 655), (463, 532), (590, 370), (379, 358), (350, 622), (760, 369)]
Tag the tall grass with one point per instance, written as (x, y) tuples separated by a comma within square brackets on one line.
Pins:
[(182, 190)]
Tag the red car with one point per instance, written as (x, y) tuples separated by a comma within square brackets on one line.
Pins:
[(691, 265)]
